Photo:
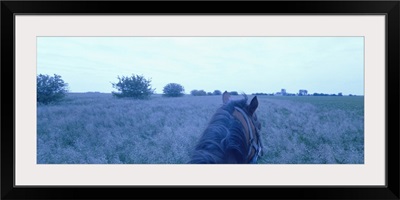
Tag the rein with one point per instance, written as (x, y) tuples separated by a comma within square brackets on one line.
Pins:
[(254, 146)]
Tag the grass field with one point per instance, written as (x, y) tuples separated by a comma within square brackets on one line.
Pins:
[(98, 128)]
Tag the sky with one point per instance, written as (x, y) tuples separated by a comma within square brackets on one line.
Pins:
[(244, 64)]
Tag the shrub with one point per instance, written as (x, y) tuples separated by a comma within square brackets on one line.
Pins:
[(136, 87), (194, 92), (50, 89), (173, 90), (217, 92), (198, 93), (233, 93)]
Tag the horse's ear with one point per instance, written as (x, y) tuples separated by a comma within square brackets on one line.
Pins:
[(253, 105), (225, 97)]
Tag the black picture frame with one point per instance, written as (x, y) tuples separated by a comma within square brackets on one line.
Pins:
[(11, 8)]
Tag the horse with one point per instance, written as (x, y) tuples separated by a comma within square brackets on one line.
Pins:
[(232, 135)]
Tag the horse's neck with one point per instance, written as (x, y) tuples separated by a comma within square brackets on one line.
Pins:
[(232, 157)]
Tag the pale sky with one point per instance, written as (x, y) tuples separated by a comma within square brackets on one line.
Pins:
[(244, 64)]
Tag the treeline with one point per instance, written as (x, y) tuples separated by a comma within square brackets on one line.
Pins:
[(53, 88), (290, 94), (322, 94), (204, 93)]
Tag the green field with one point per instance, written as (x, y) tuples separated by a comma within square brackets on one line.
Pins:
[(98, 128)]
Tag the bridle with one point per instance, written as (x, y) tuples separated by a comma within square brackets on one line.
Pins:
[(251, 133)]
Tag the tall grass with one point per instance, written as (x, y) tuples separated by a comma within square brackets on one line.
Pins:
[(97, 128), (324, 130)]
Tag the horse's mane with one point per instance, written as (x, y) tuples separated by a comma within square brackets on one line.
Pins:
[(223, 141)]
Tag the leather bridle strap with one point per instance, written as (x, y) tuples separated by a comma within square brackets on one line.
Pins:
[(250, 131)]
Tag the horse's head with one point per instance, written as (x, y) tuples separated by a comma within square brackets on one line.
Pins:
[(251, 126)]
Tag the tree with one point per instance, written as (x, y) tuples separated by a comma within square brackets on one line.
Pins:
[(198, 93), (233, 93), (50, 89), (303, 92), (194, 92), (136, 87), (217, 92), (173, 90), (202, 93)]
